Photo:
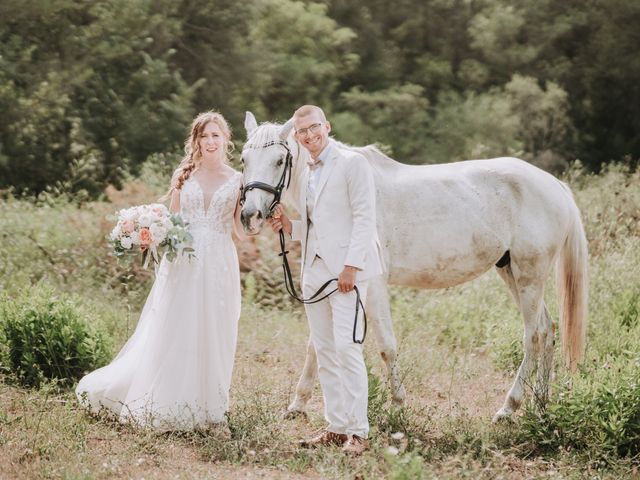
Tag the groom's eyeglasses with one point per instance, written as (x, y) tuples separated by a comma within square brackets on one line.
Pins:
[(310, 130)]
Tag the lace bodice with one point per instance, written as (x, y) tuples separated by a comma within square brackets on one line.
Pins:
[(218, 215)]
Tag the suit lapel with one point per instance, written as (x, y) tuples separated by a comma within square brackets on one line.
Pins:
[(326, 170), (303, 196)]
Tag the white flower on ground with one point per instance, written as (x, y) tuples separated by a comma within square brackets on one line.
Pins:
[(391, 450)]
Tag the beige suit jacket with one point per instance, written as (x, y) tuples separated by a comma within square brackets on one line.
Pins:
[(344, 215)]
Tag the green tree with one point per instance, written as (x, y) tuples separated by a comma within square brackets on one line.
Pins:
[(211, 55), (396, 117), (88, 83), (545, 129), (472, 125), (604, 81), (299, 55)]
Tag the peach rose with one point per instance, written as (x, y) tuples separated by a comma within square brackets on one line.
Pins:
[(145, 237)]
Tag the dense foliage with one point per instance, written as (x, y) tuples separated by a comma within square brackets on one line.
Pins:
[(47, 336), (88, 90)]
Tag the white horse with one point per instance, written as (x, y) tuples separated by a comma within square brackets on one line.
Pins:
[(442, 225)]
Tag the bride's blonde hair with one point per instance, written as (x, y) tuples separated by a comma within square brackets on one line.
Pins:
[(192, 154)]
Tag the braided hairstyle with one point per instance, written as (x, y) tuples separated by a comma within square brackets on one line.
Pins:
[(192, 155)]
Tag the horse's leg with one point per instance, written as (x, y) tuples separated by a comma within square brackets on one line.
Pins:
[(530, 292), (545, 368), (546, 328), (379, 314), (305, 383)]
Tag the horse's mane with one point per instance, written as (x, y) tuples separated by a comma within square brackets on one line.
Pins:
[(373, 154), (265, 133)]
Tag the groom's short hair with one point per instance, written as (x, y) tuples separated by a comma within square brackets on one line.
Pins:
[(305, 110)]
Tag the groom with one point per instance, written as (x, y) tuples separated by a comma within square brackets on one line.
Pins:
[(339, 239)]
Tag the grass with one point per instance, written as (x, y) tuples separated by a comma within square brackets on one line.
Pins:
[(458, 351)]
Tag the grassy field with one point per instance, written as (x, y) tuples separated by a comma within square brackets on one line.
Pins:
[(458, 351)]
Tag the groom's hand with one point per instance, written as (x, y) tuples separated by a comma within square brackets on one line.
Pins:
[(347, 279), (279, 220)]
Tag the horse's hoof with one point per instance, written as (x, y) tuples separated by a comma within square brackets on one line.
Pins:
[(293, 414), (502, 415)]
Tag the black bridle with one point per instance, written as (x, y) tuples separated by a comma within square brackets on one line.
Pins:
[(285, 178), (283, 183)]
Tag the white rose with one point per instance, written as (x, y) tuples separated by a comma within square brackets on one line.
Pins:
[(126, 242), (115, 233), (128, 213), (158, 232), (135, 239), (145, 220), (160, 209)]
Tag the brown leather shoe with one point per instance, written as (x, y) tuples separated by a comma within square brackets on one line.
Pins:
[(325, 438), (356, 445)]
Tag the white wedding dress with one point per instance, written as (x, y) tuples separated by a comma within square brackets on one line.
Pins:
[(174, 373)]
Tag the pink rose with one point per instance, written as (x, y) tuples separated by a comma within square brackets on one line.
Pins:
[(145, 237), (128, 226)]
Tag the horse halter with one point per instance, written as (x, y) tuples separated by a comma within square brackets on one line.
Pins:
[(285, 178)]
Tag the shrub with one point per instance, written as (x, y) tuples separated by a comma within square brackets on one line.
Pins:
[(47, 336), (598, 415)]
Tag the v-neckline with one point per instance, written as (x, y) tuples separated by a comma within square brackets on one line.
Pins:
[(206, 208)]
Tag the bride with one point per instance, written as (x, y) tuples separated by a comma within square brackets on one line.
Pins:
[(174, 373)]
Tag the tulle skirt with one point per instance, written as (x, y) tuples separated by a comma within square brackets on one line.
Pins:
[(175, 371)]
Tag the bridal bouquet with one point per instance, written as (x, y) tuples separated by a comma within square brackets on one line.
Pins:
[(152, 231)]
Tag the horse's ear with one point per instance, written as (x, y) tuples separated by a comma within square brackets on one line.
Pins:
[(285, 130), (250, 123)]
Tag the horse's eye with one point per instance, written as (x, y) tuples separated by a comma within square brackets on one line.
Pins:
[(279, 162), (242, 160)]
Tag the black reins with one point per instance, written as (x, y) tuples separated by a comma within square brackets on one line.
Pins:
[(285, 179)]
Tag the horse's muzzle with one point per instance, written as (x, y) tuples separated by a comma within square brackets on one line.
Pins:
[(252, 220)]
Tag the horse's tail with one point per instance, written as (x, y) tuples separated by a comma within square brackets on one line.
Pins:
[(573, 287)]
